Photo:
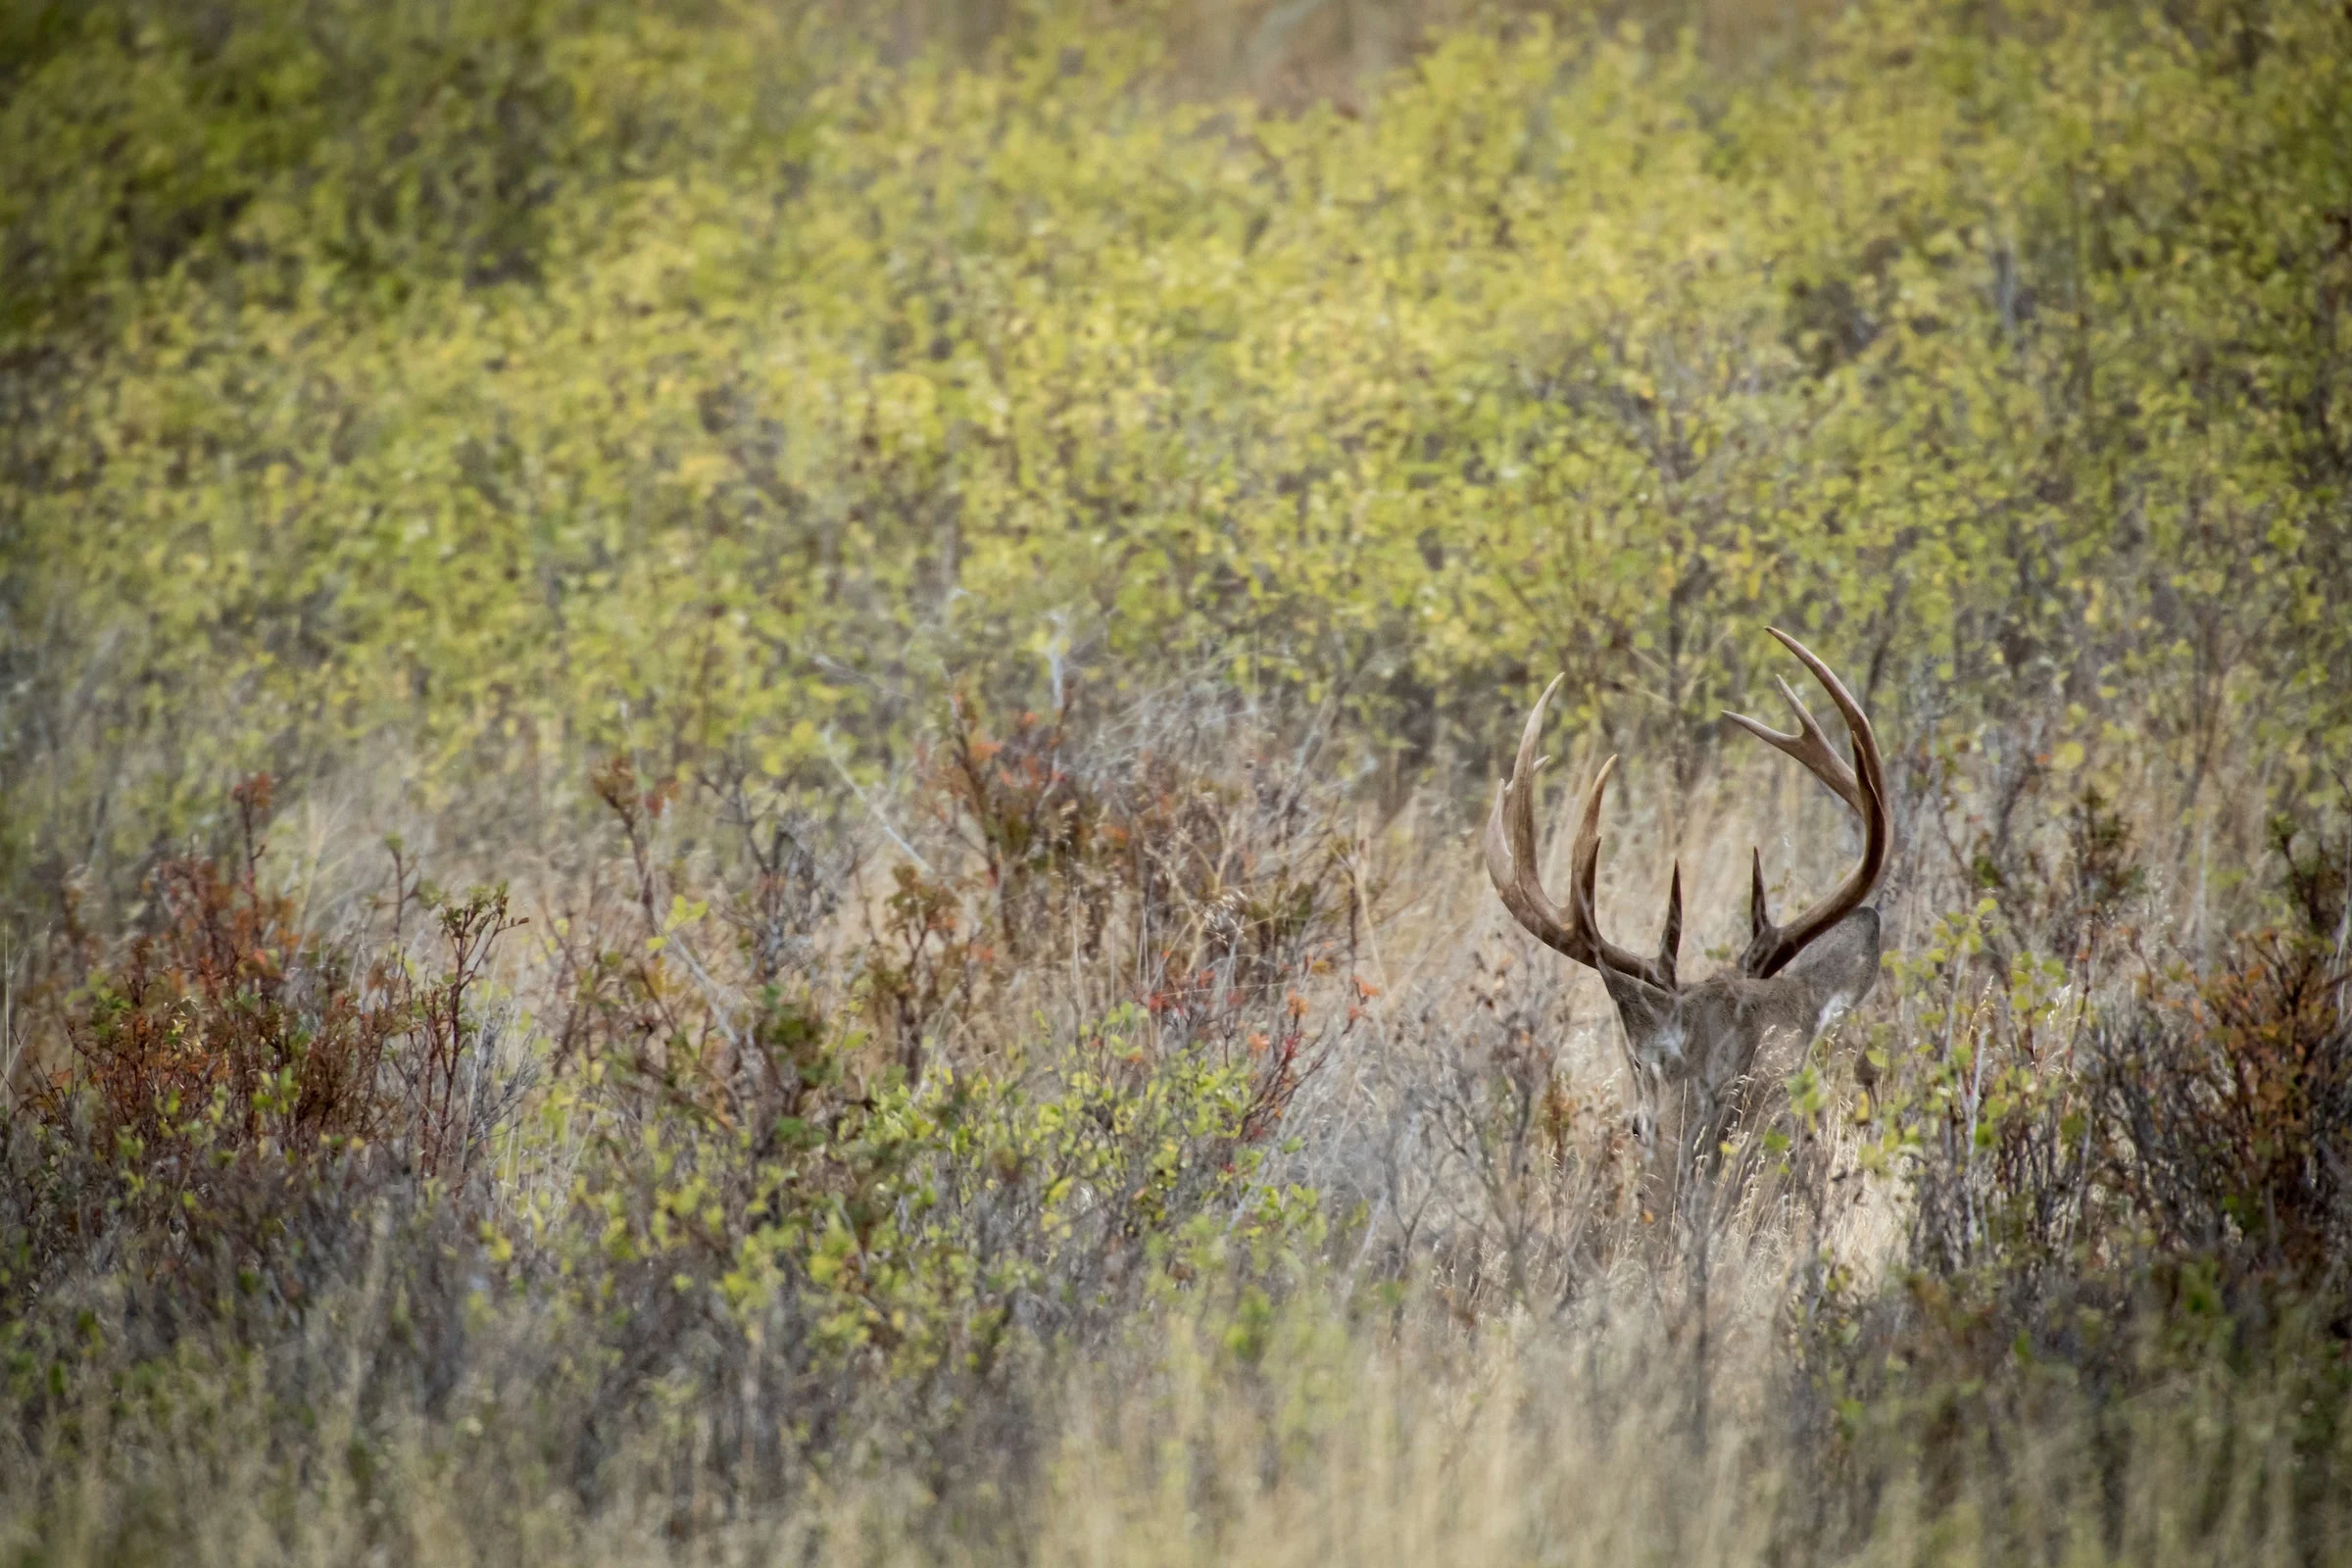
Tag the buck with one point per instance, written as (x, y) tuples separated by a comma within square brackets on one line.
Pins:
[(1694, 1048)]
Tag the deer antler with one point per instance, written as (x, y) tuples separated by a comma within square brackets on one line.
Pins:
[(1510, 848), (1771, 947)]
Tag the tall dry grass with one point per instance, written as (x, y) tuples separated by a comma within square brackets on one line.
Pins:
[(1481, 1350)]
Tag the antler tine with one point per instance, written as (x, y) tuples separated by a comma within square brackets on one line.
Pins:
[(1512, 820), (1809, 746), (1509, 866), (1670, 942), (1509, 844), (1862, 787)]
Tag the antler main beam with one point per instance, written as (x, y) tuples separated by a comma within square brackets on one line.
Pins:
[(1694, 1048), (1510, 843), (1511, 850), (1862, 786)]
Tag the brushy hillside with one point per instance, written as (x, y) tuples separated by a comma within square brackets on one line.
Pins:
[(948, 590)]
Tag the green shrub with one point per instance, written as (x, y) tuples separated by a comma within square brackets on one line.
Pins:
[(2003, 358)]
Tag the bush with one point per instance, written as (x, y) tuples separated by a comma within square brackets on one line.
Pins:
[(231, 1101), (577, 382), (2109, 1200)]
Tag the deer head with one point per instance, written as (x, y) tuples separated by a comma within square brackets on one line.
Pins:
[(1694, 1047)]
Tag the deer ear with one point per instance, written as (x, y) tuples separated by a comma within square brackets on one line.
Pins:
[(1839, 969)]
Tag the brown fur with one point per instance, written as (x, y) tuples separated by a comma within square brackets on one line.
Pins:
[(1699, 1054)]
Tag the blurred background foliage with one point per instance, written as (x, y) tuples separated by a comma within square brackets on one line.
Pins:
[(523, 379)]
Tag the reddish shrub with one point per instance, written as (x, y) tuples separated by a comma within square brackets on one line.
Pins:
[(226, 1030), (2228, 1113), (226, 1009)]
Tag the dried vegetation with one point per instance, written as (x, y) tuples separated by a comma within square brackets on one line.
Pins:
[(954, 611)]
